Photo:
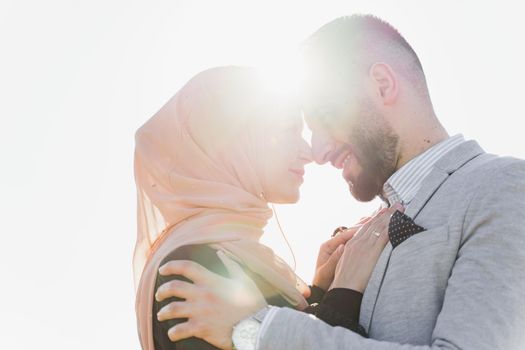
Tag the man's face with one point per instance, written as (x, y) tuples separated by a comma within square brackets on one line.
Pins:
[(349, 131)]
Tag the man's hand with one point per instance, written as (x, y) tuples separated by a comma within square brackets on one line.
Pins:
[(362, 252), (329, 255), (213, 305)]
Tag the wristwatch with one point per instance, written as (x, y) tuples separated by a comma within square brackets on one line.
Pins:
[(245, 333)]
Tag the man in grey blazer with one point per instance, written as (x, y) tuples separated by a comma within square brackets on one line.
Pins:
[(459, 284)]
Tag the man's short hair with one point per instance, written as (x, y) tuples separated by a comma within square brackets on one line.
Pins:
[(351, 44)]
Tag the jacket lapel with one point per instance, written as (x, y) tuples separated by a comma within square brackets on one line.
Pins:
[(373, 287), (446, 166)]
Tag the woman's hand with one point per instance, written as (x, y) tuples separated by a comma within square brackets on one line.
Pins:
[(361, 253), (330, 253)]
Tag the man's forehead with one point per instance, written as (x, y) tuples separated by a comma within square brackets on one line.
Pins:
[(315, 104), (309, 111), (311, 115)]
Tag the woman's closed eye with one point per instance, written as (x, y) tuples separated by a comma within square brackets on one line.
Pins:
[(295, 128)]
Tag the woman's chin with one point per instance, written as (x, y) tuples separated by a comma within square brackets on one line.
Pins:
[(287, 198)]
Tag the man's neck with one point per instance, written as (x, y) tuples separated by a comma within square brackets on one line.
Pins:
[(420, 141)]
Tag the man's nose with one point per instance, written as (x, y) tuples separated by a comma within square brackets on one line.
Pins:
[(322, 148)]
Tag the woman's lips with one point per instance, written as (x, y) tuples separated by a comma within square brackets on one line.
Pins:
[(298, 172)]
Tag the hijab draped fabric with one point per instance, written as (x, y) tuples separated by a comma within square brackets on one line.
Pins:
[(198, 174)]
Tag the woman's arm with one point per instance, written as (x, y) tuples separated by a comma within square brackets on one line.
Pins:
[(340, 307), (352, 272)]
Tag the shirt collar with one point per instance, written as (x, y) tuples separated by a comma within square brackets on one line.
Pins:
[(403, 185)]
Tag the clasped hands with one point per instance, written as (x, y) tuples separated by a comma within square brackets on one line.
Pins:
[(214, 304), (348, 259)]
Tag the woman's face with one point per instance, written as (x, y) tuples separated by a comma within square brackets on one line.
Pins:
[(285, 154)]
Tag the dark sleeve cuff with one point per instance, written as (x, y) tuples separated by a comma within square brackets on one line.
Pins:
[(316, 295), (339, 307), (345, 301)]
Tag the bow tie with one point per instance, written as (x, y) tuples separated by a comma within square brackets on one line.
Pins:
[(401, 227)]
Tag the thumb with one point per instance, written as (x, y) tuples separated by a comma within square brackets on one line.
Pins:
[(306, 292)]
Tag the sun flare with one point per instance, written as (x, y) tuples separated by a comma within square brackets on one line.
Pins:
[(283, 74)]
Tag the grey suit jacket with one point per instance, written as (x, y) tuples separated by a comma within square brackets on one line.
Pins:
[(458, 285)]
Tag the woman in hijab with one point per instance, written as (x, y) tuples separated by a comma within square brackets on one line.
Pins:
[(206, 167)]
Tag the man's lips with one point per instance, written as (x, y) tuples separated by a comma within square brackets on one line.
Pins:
[(335, 157), (338, 160)]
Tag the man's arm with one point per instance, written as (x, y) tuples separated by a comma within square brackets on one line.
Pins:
[(484, 301), (213, 304), (203, 255), (213, 316)]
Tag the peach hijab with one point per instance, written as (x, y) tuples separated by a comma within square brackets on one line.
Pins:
[(197, 169)]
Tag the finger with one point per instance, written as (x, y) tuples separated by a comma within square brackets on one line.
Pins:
[(306, 292), (379, 227), (385, 222), (179, 289), (364, 219), (363, 229), (175, 309), (234, 269), (384, 219), (373, 225), (390, 211), (182, 331), (333, 261), (336, 255), (189, 269), (379, 234), (341, 238), (398, 206), (381, 241), (384, 238)]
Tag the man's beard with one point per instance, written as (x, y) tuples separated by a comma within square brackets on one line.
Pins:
[(376, 145)]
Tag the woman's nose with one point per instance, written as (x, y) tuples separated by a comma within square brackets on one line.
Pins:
[(306, 153)]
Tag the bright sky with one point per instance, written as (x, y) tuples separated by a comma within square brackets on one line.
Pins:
[(77, 80)]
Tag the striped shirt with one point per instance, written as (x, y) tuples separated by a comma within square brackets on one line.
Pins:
[(403, 185)]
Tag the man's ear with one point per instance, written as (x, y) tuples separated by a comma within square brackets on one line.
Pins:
[(385, 81)]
